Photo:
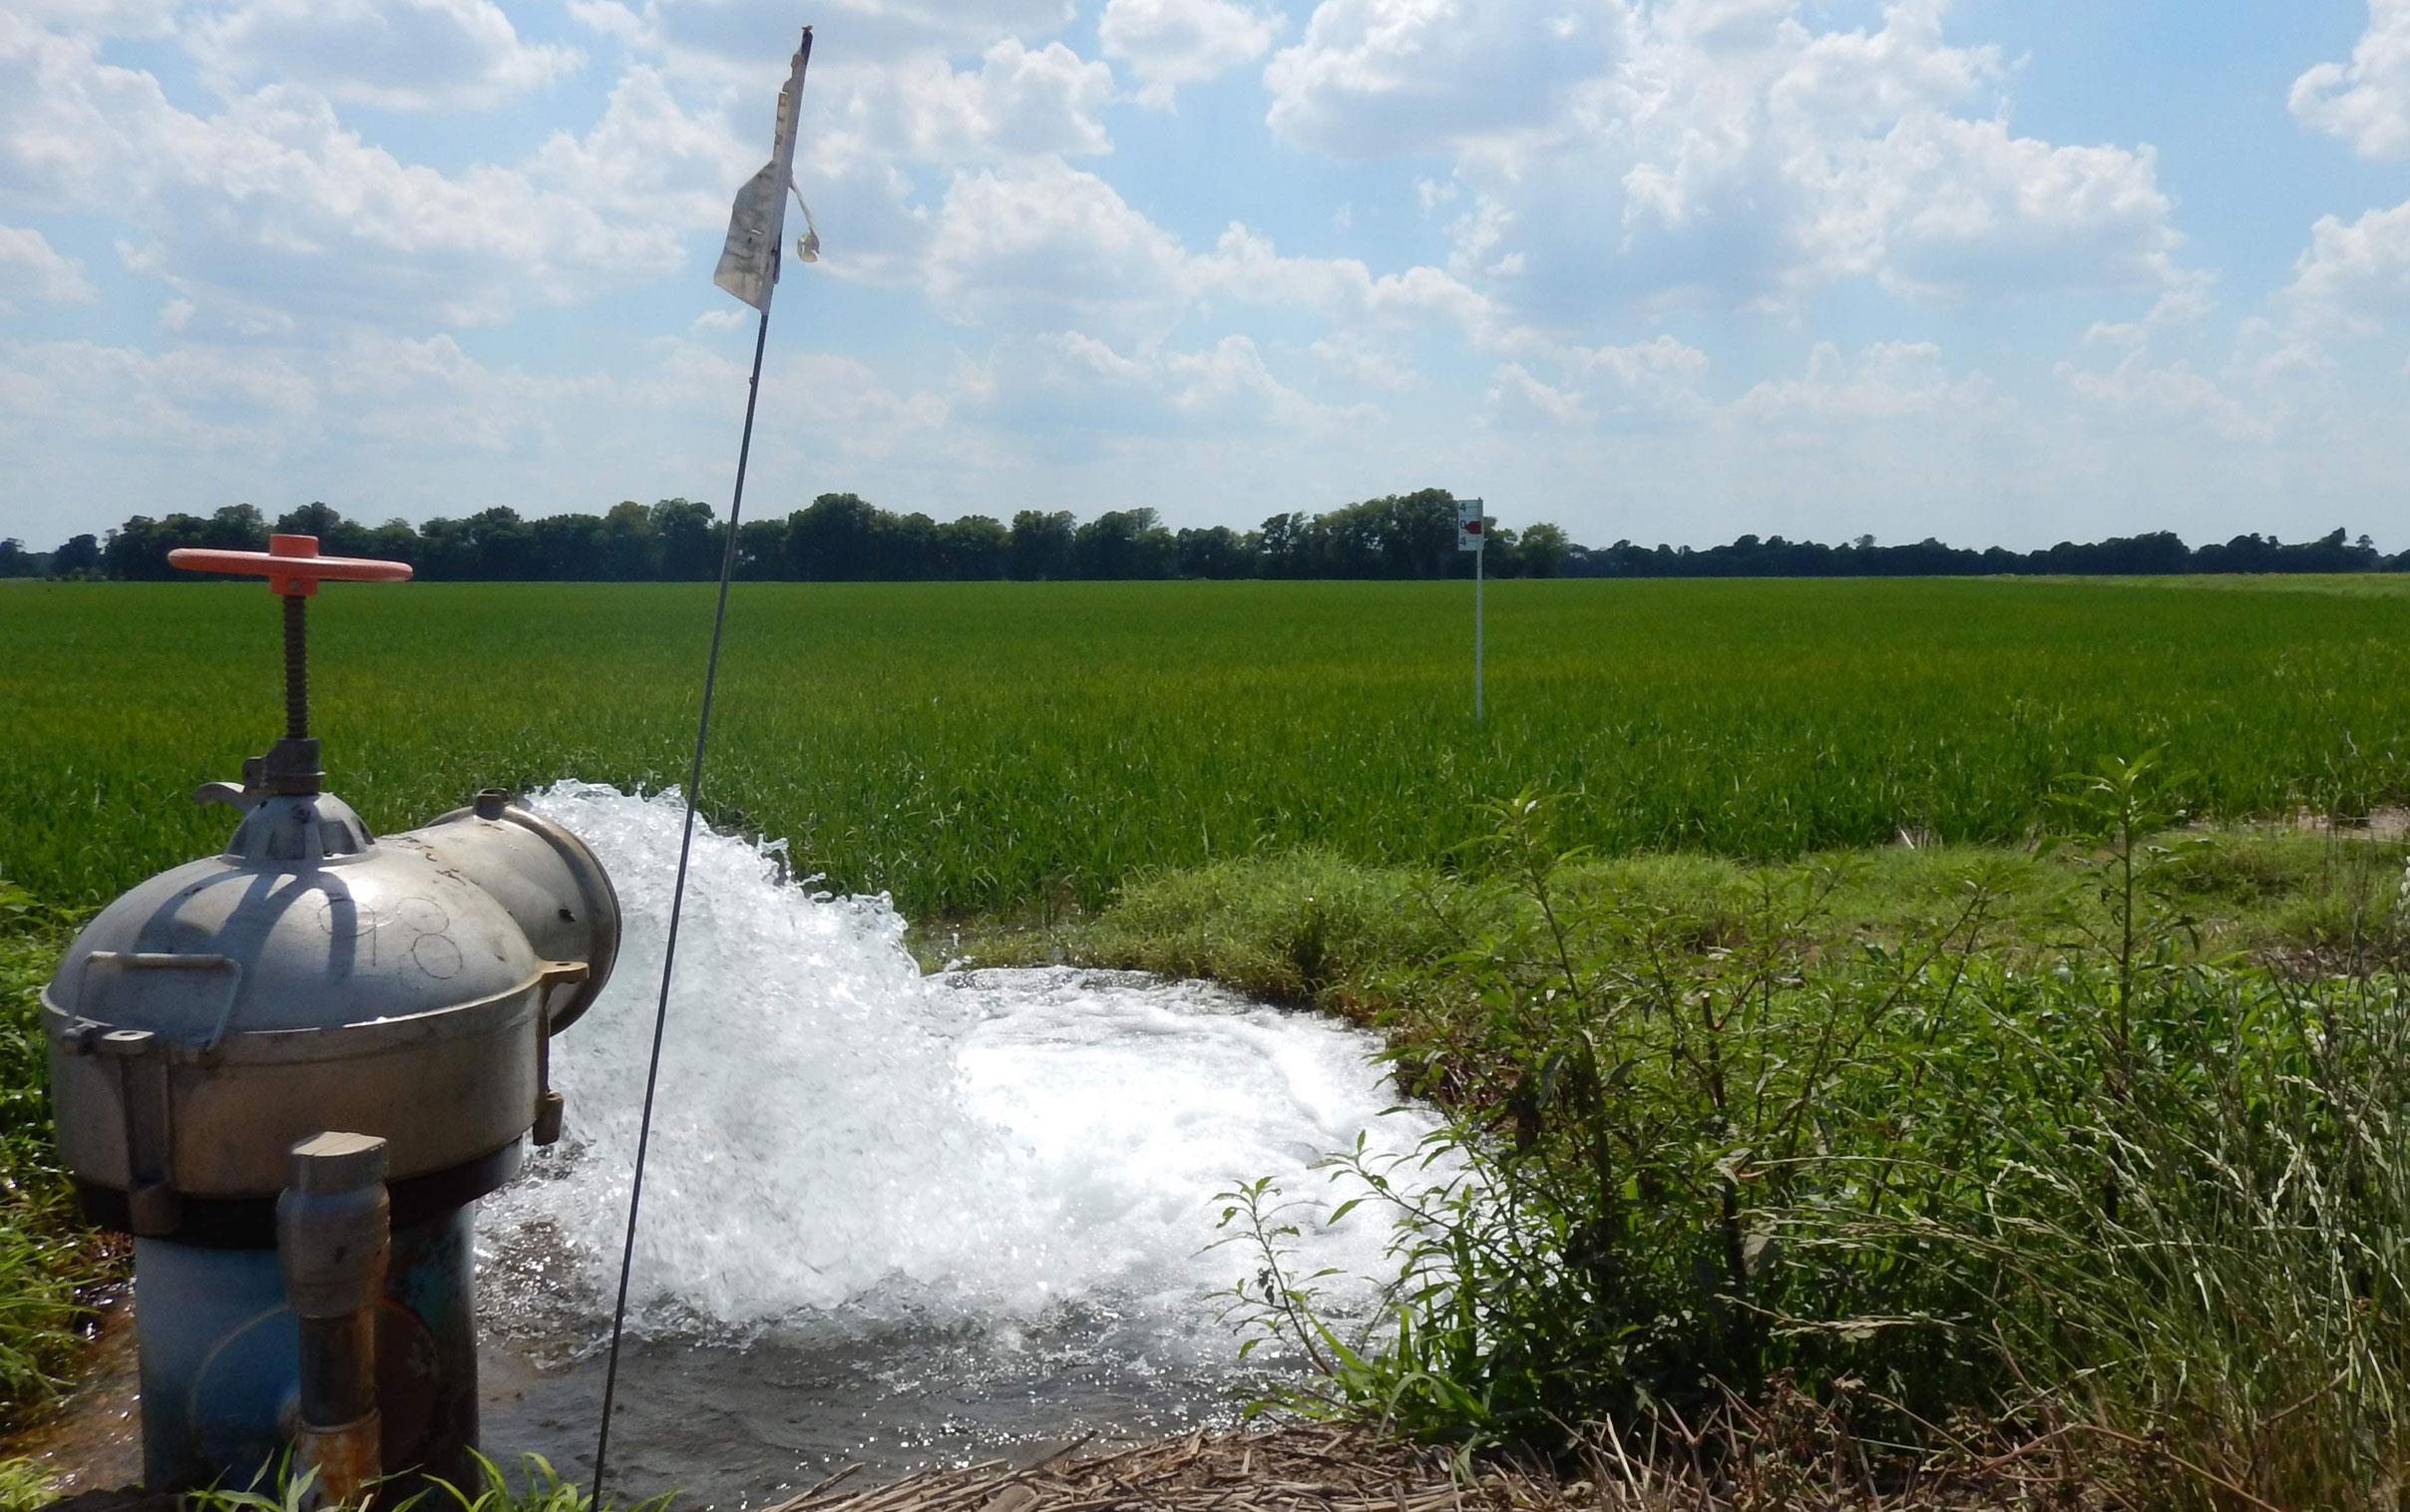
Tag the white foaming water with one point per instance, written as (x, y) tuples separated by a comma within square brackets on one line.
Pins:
[(841, 1142)]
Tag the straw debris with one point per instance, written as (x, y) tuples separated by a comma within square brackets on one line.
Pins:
[(1303, 1468), (1322, 1468)]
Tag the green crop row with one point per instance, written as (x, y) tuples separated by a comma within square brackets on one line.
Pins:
[(992, 748)]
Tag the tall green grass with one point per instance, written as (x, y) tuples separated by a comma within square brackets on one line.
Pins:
[(2117, 1197), (47, 1257), (981, 748)]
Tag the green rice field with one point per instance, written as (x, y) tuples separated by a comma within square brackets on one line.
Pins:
[(985, 748)]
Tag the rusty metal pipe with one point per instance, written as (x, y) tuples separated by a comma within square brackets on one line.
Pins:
[(334, 1235)]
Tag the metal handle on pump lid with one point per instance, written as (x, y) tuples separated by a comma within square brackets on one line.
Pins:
[(291, 565), (294, 568)]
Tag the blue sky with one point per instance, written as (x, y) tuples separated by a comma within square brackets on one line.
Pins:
[(1999, 270)]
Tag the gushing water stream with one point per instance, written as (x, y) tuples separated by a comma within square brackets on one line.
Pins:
[(887, 1216)]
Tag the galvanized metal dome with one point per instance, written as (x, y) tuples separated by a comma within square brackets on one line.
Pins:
[(313, 977)]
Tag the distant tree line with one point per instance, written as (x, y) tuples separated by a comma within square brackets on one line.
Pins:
[(2158, 551), (842, 537), (837, 537)]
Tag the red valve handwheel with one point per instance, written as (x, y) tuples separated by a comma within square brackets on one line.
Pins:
[(291, 565)]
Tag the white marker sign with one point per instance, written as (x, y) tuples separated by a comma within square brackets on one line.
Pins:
[(1470, 533)]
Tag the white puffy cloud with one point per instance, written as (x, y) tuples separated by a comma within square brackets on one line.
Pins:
[(29, 264), (879, 114), (1516, 399), (398, 388), (88, 399), (1054, 250), (1229, 379), (351, 422), (1044, 243), (1363, 360), (1244, 265), (1660, 360), (2354, 274), (1891, 380), (1018, 101), (271, 208), (1720, 149), (1940, 206), (2156, 398), (1655, 383), (400, 55), (2186, 301), (648, 160), (100, 18), (898, 111), (733, 41), (1041, 245), (1070, 383), (2366, 101), (1169, 43), (1388, 78)]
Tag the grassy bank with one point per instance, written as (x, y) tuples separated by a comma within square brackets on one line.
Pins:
[(1314, 929), (2092, 1152)]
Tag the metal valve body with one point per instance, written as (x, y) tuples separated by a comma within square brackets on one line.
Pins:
[(313, 979)]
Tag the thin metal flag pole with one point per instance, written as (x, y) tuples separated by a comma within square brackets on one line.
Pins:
[(1480, 554), (678, 900), (749, 269), (1472, 534)]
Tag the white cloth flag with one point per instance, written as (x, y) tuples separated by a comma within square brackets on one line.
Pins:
[(748, 262)]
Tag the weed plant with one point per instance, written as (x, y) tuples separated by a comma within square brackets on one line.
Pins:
[(540, 1488), (23, 1486), (2122, 1194)]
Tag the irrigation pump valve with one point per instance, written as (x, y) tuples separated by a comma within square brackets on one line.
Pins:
[(291, 1068), (291, 565), (294, 568), (313, 975)]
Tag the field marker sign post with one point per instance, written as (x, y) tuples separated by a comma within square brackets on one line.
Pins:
[(1472, 533)]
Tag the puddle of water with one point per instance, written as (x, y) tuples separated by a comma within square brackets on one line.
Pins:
[(736, 1427), (94, 1442)]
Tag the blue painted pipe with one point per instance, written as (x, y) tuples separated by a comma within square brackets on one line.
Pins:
[(221, 1357)]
